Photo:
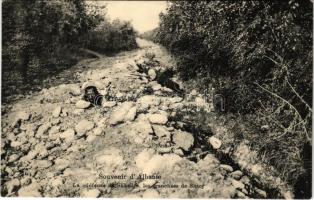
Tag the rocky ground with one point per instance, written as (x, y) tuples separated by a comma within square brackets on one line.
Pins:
[(56, 144)]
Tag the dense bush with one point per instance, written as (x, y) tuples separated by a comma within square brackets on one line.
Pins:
[(258, 54), (150, 35), (111, 37), (39, 30), (42, 34)]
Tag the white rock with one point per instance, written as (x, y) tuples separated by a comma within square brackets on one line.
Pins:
[(91, 138), (93, 193), (262, 193), (54, 129), (81, 104), (237, 184), (178, 152), (43, 129), (32, 190), (23, 115), (215, 142), (143, 157), (118, 115), (236, 174), (131, 114), (26, 180), (57, 182), (61, 164), (184, 140), (161, 131), (158, 118), (83, 126), (147, 101), (97, 131), (152, 74), (75, 89), (140, 130), (110, 157), (156, 87), (30, 156), (78, 111), (12, 185), (119, 95), (150, 163), (68, 135), (108, 104), (13, 158), (16, 144), (56, 112), (227, 168), (41, 164)]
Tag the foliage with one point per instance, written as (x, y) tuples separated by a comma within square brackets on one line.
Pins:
[(41, 33), (111, 37), (257, 54), (150, 35)]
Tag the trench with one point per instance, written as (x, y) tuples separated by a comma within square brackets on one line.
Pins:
[(201, 136)]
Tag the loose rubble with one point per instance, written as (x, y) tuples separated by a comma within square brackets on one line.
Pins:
[(55, 144)]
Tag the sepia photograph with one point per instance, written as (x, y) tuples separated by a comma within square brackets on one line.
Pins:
[(157, 99)]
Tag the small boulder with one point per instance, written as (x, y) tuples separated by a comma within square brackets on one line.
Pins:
[(13, 158), (43, 129), (237, 184), (161, 131), (227, 168), (108, 104), (91, 138), (215, 142), (13, 185), (83, 126), (57, 111), (32, 190), (156, 87), (81, 104), (23, 115), (178, 152), (158, 118), (57, 182), (261, 193), (16, 144), (97, 131), (68, 135), (93, 193), (130, 116), (41, 164), (54, 129), (152, 74), (118, 115), (164, 150), (236, 174), (183, 139)]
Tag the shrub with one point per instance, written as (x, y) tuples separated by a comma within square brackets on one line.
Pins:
[(258, 55), (111, 37)]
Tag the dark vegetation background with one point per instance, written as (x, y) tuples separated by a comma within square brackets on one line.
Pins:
[(258, 54), (42, 37)]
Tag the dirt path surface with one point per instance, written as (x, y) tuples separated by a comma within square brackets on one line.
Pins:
[(54, 144)]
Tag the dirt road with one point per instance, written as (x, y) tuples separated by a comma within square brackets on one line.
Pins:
[(54, 144)]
